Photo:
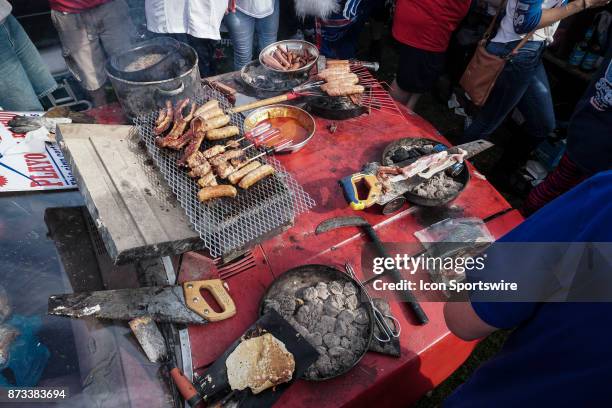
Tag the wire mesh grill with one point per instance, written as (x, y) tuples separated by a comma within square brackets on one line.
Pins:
[(228, 224)]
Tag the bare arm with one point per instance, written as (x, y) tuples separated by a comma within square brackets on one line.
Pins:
[(464, 323), (551, 16), (529, 15)]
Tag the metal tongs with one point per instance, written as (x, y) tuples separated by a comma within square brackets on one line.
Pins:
[(379, 317)]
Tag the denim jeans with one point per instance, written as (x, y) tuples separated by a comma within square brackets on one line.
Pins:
[(24, 77), (523, 84), (242, 28)]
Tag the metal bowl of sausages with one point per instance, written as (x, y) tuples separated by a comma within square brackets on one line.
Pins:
[(289, 56), (294, 124)]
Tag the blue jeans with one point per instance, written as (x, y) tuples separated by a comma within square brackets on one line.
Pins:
[(242, 29), (24, 77), (523, 83)]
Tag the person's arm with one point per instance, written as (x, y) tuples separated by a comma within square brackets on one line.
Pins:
[(529, 15), (464, 323)]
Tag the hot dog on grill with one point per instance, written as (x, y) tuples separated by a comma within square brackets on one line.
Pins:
[(212, 113), (212, 104), (222, 133), (216, 122), (223, 190), (334, 71), (256, 175), (345, 80), (228, 155), (236, 176), (342, 90), (207, 180)]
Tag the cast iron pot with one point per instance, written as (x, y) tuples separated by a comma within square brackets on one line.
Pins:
[(142, 97)]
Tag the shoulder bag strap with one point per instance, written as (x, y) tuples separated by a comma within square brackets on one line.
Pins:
[(502, 7)]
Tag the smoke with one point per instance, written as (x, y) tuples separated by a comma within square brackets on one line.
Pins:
[(316, 8)]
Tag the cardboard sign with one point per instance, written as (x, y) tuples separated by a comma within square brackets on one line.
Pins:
[(32, 171)]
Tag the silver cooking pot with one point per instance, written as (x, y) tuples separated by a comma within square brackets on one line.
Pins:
[(141, 97)]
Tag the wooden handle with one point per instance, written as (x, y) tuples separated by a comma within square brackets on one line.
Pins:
[(263, 102), (195, 301)]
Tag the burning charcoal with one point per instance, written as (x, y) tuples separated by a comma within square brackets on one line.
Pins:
[(322, 290), (345, 342), (336, 287), (352, 302), (315, 339), (349, 289), (330, 310), (306, 316), (336, 301), (287, 305), (324, 365), (336, 351), (312, 372), (317, 306), (310, 294), (331, 340), (341, 328), (361, 315), (326, 325), (346, 316)]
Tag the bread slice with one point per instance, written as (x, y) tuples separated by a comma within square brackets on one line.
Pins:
[(259, 363)]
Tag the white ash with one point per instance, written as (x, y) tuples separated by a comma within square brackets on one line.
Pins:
[(330, 317), (438, 186)]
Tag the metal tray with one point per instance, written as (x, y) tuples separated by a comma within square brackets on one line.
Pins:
[(226, 225)]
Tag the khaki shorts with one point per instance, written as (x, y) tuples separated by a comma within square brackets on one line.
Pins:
[(90, 37)]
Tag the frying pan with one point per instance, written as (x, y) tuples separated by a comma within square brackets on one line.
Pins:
[(292, 281), (463, 177)]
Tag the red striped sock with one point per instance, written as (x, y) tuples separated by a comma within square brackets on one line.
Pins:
[(565, 176)]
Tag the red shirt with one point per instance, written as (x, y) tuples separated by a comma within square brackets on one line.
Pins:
[(75, 6), (428, 24)]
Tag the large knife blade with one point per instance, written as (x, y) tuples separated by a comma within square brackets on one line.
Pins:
[(402, 184), (163, 304), (472, 149)]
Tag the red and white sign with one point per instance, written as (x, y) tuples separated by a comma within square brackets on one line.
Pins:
[(32, 171)]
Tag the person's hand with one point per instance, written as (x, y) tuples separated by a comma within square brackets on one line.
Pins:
[(595, 3), (231, 7)]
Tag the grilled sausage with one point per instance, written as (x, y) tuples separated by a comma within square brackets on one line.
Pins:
[(228, 155), (236, 176), (210, 105), (208, 180), (272, 63), (223, 190), (344, 77), (256, 175), (342, 90), (212, 113), (341, 69), (214, 151), (216, 122), (222, 133), (278, 55)]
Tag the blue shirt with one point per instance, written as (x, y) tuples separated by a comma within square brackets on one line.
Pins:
[(560, 354), (589, 140)]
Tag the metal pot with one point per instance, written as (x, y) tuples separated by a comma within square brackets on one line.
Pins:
[(141, 97)]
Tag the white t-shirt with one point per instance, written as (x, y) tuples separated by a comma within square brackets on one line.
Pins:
[(516, 13), (256, 8), (5, 10), (199, 18)]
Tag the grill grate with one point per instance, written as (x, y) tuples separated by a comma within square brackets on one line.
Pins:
[(229, 224)]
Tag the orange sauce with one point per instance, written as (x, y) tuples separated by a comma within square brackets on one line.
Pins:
[(290, 128)]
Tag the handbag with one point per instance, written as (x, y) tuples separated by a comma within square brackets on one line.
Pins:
[(481, 73)]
